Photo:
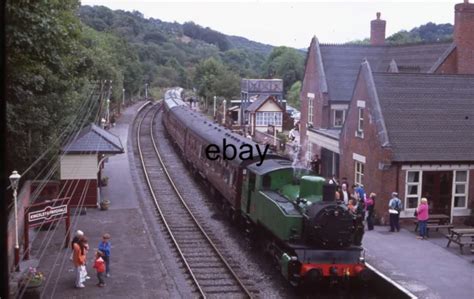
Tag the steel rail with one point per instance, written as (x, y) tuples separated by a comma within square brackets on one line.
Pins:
[(183, 202), (155, 200)]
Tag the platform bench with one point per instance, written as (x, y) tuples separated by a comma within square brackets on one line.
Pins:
[(438, 226), (460, 242)]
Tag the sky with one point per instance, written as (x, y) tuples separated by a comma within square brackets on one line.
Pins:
[(293, 24)]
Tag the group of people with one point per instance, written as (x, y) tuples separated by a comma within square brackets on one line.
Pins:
[(358, 202), (80, 248)]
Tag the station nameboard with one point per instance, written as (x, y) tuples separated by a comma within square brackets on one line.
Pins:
[(47, 212)]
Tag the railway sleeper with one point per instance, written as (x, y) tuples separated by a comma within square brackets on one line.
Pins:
[(218, 282), (227, 289), (203, 276)]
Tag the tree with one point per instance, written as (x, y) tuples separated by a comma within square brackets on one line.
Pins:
[(46, 81), (293, 95), (213, 79), (285, 63)]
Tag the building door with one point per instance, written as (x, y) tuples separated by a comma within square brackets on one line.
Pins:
[(437, 187)]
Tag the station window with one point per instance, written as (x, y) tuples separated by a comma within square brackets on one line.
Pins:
[(360, 123), (338, 118), (413, 189), (359, 173), (269, 118), (460, 189), (310, 110)]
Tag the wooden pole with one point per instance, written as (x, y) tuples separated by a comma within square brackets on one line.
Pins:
[(26, 230), (68, 225)]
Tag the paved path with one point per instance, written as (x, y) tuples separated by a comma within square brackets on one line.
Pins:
[(426, 268), (141, 264)]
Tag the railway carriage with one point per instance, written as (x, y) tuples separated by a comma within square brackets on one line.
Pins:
[(292, 211)]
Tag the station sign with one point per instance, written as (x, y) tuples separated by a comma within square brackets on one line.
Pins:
[(46, 212), (41, 213)]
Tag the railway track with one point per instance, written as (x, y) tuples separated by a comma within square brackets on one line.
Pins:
[(208, 269)]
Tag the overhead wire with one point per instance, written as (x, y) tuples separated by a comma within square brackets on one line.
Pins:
[(58, 138), (52, 170)]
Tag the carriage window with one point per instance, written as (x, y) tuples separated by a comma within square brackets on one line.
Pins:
[(267, 182)]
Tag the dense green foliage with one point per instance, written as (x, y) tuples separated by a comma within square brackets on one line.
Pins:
[(169, 53), (427, 33), (45, 81), (284, 63), (293, 95)]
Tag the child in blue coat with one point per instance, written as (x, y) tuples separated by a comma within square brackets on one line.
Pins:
[(104, 247)]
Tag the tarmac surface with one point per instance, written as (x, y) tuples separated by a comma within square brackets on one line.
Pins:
[(424, 267), (141, 264)]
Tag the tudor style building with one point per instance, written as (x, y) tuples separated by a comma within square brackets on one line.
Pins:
[(328, 91)]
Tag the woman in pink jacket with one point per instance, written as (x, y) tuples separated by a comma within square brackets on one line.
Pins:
[(422, 216)]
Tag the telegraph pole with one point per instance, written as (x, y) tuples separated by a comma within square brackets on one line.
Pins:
[(100, 101)]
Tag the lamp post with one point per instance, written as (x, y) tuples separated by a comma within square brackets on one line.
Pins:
[(146, 91), (14, 179)]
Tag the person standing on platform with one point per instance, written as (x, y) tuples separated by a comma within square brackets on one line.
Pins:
[(79, 260), (104, 247), (99, 266), (370, 207), (345, 193), (422, 217), (75, 240), (394, 209)]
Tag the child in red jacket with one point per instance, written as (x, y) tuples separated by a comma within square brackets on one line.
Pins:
[(99, 265)]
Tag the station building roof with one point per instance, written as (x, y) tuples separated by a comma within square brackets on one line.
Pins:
[(93, 139)]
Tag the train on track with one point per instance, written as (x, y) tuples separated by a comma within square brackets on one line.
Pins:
[(293, 212)]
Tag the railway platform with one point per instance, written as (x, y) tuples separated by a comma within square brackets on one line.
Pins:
[(141, 264), (426, 268)]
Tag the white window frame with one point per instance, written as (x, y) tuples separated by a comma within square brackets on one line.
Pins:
[(310, 109), (334, 117), (359, 173), (264, 118), (409, 184), (466, 189), (360, 123)]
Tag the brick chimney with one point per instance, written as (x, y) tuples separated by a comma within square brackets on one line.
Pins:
[(464, 36), (377, 31)]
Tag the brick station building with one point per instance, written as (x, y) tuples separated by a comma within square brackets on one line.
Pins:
[(374, 115)]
